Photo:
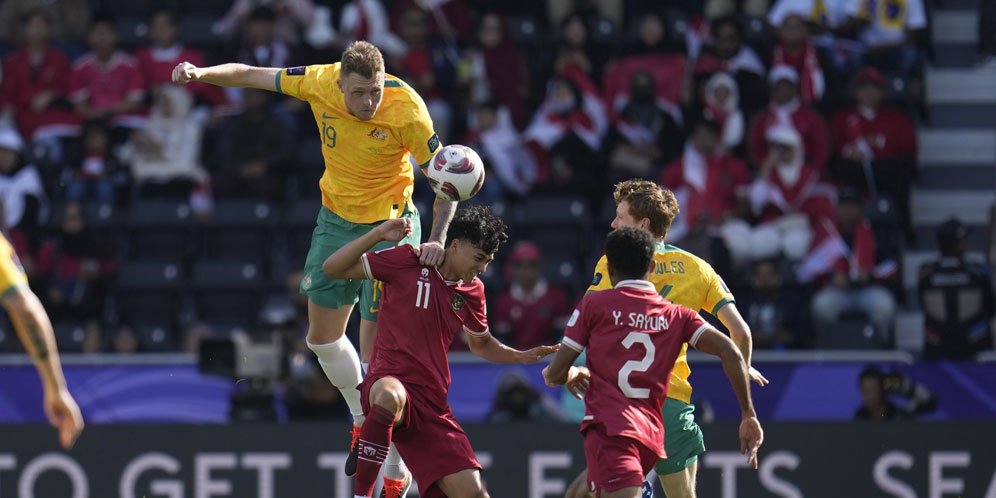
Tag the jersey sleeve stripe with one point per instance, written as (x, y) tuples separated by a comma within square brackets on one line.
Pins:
[(477, 334), (698, 332), (571, 343), (366, 267), (720, 304), (276, 81)]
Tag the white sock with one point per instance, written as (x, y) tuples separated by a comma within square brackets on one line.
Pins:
[(341, 365), (652, 476), (394, 468)]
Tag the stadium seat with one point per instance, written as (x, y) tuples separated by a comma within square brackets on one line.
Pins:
[(564, 271), (197, 31), (526, 30), (69, 336), (559, 225), (132, 8), (281, 265), (159, 229), (298, 221), (239, 228), (227, 293), (156, 338), (851, 332), (132, 30), (148, 291), (602, 31), (209, 8)]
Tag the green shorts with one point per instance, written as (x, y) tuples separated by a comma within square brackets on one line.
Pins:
[(331, 233), (683, 440)]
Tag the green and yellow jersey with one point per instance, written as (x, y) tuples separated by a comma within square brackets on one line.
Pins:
[(11, 274), (368, 174), (682, 278)]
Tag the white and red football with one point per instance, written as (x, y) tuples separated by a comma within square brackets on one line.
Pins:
[(456, 173)]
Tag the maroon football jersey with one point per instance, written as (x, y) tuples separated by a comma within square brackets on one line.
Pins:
[(420, 314), (632, 336)]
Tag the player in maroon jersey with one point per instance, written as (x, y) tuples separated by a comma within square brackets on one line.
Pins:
[(633, 336), (421, 310)]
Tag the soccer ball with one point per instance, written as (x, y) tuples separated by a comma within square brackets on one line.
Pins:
[(456, 173)]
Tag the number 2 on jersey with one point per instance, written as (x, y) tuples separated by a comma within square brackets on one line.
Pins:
[(422, 299), (636, 366)]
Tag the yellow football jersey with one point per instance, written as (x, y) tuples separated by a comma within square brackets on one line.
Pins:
[(368, 176), (11, 273), (683, 278)]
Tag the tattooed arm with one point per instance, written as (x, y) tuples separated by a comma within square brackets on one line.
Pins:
[(35, 331)]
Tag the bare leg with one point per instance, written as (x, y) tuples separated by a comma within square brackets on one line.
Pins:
[(680, 484), (463, 484), (579, 488)]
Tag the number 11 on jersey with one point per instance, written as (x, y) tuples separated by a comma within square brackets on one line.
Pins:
[(422, 299)]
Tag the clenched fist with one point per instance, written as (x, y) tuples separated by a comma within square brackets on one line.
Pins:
[(185, 72)]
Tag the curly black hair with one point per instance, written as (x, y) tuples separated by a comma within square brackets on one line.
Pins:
[(629, 251), (479, 226)]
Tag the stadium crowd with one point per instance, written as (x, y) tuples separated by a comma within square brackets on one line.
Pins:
[(787, 132)]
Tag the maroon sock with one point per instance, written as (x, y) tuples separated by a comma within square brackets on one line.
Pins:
[(375, 439)]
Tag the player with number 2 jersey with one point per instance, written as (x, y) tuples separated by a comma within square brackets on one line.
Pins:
[(632, 337)]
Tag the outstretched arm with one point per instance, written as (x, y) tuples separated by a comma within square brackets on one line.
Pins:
[(35, 331), (730, 316), (716, 343), (345, 263), (491, 349), (231, 75), (431, 252)]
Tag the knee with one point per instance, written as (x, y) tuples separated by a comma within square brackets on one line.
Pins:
[(879, 303), (826, 305), (389, 396)]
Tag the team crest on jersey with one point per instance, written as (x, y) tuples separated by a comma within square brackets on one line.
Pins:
[(378, 134), (297, 71), (306, 282), (574, 318), (433, 143), (597, 279), (457, 302)]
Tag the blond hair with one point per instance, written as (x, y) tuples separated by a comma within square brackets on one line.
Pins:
[(362, 58), (648, 200)]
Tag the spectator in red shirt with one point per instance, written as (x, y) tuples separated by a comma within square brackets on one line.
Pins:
[(872, 137), (35, 84), (157, 60), (531, 311), (106, 83), (786, 108), (711, 188), (844, 253)]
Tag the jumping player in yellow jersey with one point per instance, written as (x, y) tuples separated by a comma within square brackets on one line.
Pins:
[(371, 125), (35, 331), (684, 279)]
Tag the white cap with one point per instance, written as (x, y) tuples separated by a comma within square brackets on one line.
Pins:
[(10, 139), (783, 72), (784, 134)]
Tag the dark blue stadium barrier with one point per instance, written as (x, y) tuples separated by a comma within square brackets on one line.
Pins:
[(820, 460), (146, 391)]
